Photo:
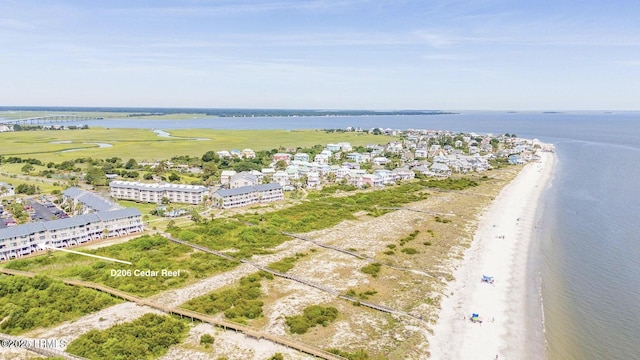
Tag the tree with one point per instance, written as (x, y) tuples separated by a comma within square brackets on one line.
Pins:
[(209, 169), (195, 216), (209, 156), (95, 176), (281, 165), (27, 169), (174, 177), (131, 164)]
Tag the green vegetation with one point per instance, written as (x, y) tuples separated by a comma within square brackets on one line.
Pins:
[(372, 269), (239, 303), (206, 340), (441, 220), (146, 253), (143, 144), (357, 355), (286, 264), (409, 237), (27, 303), (362, 295), (450, 183), (311, 316), (148, 337), (409, 251), (329, 211), (222, 234)]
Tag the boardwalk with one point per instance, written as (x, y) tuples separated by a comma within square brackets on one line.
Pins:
[(227, 325)]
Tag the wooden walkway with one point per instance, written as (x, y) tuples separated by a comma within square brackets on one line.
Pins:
[(227, 325)]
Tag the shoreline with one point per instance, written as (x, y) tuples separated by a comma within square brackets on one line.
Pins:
[(502, 245)]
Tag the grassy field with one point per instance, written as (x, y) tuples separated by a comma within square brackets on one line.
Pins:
[(143, 144), (153, 253)]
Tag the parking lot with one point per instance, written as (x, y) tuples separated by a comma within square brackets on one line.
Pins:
[(45, 211)]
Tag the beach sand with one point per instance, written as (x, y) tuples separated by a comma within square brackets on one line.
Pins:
[(500, 249)]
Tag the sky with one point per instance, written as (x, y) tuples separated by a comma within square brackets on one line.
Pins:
[(322, 54)]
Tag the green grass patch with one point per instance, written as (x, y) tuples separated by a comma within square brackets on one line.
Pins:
[(146, 253), (372, 269), (148, 337), (311, 316), (286, 264), (442, 220), (356, 355), (27, 304), (450, 183), (409, 237), (224, 234), (363, 295), (239, 303), (409, 251), (315, 215)]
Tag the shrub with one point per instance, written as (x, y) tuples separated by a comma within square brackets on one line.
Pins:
[(372, 269), (206, 340), (409, 251), (312, 316)]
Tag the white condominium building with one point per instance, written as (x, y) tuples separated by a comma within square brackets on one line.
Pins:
[(21, 240), (153, 192), (248, 195)]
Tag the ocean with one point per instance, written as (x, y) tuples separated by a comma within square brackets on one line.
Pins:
[(585, 261)]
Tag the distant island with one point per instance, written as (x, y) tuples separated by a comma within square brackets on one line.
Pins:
[(135, 111)]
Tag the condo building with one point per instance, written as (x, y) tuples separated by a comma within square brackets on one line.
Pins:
[(153, 192)]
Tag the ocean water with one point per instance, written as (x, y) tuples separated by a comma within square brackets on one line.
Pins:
[(586, 260)]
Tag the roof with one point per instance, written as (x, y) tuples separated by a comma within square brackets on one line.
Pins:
[(248, 189), (59, 224), (91, 200), (71, 222), (157, 186), (21, 230), (118, 214), (237, 191)]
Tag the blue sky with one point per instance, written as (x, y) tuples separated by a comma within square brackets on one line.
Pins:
[(322, 54)]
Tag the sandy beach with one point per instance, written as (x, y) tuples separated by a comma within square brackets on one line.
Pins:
[(500, 249)]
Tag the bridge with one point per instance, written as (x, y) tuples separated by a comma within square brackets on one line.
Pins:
[(51, 119)]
